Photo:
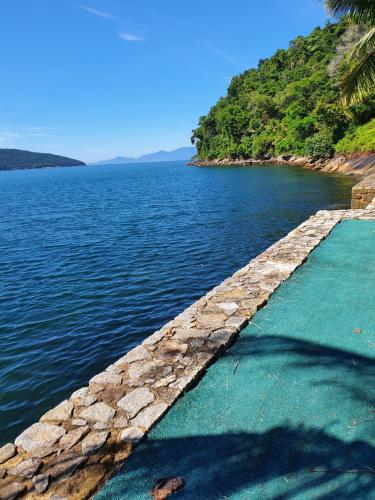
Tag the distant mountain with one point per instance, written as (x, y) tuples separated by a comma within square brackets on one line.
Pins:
[(14, 159), (180, 154)]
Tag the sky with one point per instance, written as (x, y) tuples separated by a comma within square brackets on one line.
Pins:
[(94, 79)]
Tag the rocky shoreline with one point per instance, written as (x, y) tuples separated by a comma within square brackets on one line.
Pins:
[(354, 164)]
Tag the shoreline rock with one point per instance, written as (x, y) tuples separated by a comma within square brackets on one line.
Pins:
[(354, 164)]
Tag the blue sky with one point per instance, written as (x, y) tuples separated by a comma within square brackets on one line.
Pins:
[(93, 79)]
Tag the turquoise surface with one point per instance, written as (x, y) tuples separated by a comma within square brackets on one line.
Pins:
[(288, 411)]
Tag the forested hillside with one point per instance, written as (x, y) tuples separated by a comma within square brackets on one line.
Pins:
[(12, 159), (290, 104)]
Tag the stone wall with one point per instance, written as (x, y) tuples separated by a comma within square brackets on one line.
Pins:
[(80, 443), (363, 193)]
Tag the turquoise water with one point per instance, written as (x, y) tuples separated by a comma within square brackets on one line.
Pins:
[(94, 259), (289, 410)]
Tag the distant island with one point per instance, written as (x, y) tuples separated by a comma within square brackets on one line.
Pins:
[(16, 159), (180, 154)]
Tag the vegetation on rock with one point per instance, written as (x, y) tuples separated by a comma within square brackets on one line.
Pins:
[(359, 139), (289, 105)]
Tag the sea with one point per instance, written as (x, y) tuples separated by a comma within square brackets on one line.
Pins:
[(93, 259)]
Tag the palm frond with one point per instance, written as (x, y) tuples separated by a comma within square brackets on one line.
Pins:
[(365, 45), (359, 80), (362, 11)]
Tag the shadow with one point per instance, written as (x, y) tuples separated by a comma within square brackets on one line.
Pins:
[(281, 463), (345, 371), (311, 459)]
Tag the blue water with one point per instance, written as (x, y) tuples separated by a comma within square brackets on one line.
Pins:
[(94, 259)]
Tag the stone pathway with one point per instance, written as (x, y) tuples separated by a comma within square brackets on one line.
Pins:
[(80, 443)]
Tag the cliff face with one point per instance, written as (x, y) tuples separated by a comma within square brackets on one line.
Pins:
[(358, 163)]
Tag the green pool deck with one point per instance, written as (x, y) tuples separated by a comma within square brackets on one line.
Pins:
[(288, 412)]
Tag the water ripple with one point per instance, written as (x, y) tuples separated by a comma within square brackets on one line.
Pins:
[(94, 259)]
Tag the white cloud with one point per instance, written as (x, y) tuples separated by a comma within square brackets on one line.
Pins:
[(97, 12), (223, 55), (129, 37), (9, 137)]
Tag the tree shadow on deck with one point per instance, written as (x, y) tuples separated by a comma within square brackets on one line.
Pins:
[(284, 462), (281, 463)]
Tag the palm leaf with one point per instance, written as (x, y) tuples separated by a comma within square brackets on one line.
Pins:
[(360, 79), (362, 11), (365, 45)]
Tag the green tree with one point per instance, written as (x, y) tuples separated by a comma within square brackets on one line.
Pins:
[(292, 96)]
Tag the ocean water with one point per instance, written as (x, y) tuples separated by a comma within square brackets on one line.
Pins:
[(94, 259)]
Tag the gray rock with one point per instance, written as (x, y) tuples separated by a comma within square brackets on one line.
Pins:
[(105, 378), (236, 322), (182, 383), (131, 435), (163, 382), (41, 482), (39, 436), (42, 452), (154, 338), (96, 388), (82, 397), (222, 337), (11, 491), (60, 413), (120, 423), (80, 393), (73, 437), (6, 452), (228, 308), (133, 402), (139, 353), (93, 442), (79, 422), (211, 321), (64, 465), (87, 401), (192, 333), (27, 468), (99, 412), (113, 369), (57, 497), (138, 369), (197, 343), (100, 426), (149, 416)]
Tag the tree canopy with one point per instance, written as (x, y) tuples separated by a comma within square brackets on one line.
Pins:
[(289, 104)]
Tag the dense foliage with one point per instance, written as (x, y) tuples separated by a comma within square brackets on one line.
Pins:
[(12, 159), (290, 104), (360, 139)]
